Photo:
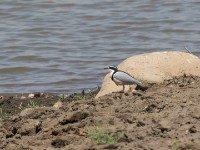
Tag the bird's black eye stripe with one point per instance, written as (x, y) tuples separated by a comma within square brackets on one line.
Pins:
[(113, 67)]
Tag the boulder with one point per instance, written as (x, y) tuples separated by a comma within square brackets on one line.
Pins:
[(154, 67)]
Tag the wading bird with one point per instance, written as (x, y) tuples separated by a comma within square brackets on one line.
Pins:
[(123, 78)]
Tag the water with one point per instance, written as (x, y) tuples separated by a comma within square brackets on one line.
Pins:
[(63, 46)]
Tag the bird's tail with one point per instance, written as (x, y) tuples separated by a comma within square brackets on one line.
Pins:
[(138, 83), (140, 86)]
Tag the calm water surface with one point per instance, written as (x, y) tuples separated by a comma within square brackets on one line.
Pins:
[(63, 46)]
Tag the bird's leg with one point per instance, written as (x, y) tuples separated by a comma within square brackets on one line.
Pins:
[(121, 91), (123, 88)]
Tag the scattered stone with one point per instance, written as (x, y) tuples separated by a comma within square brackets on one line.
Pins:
[(59, 143), (140, 124), (55, 132), (74, 117), (22, 97), (26, 112), (150, 108), (31, 127), (58, 104), (124, 137), (9, 135), (110, 147), (195, 112), (164, 125), (38, 94), (137, 93), (192, 129), (11, 146), (31, 96)]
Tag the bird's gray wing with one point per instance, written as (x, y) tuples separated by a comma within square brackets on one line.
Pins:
[(126, 78)]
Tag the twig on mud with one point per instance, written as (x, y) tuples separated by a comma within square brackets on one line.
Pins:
[(188, 50)]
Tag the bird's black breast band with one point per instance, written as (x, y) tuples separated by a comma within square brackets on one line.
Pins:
[(113, 75)]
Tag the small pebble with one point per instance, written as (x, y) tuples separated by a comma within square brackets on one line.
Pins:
[(31, 96)]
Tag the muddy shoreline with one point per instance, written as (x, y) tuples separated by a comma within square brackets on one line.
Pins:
[(166, 116)]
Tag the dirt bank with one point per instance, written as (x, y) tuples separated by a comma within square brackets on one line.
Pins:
[(166, 116)]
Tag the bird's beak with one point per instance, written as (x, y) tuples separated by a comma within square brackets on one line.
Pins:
[(106, 68)]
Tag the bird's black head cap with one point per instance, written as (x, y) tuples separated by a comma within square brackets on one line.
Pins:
[(112, 67)]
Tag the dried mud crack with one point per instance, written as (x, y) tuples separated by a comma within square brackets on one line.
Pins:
[(165, 116)]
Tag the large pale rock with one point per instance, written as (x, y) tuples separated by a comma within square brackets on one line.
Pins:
[(154, 68)]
